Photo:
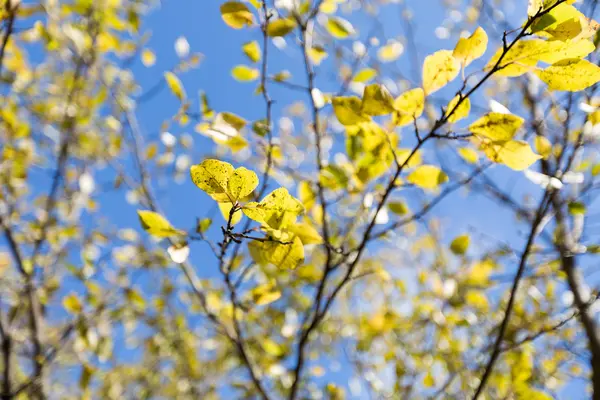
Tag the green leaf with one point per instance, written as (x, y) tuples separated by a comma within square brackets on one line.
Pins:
[(236, 14), (156, 225), (460, 244), (377, 100), (439, 69), (339, 28), (252, 51), (471, 48), (427, 177), (409, 105), (280, 27), (462, 111), (497, 126), (571, 75), (175, 85), (348, 110), (244, 73)]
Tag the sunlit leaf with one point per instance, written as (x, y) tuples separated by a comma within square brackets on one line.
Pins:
[(455, 113), (236, 14), (427, 177), (242, 183), (460, 244), (515, 154), (243, 73), (175, 85), (439, 69), (280, 27), (377, 100), (339, 28), (496, 126), (409, 105), (471, 48), (156, 225), (252, 50), (348, 110), (365, 75), (148, 58), (571, 75)]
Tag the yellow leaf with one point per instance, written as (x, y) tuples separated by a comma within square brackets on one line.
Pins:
[(524, 55), (477, 300), (306, 232), (72, 304), (390, 52), (285, 256), (212, 176), (307, 195), (280, 27), (497, 126), (242, 183), (439, 69), (553, 19), (266, 293), (398, 207), (317, 54), (339, 28), (462, 111), (521, 58), (148, 58), (427, 177), (534, 7), (175, 85), (252, 50), (460, 244), (566, 30), (365, 75), (225, 209), (156, 225), (556, 50), (428, 380), (377, 100), (471, 48), (236, 14), (515, 154), (243, 73), (277, 210), (409, 105), (469, 155), (348, 110), (571, 75), (543, 146)]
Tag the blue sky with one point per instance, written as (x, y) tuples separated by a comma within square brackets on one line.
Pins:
[(200, 22)]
